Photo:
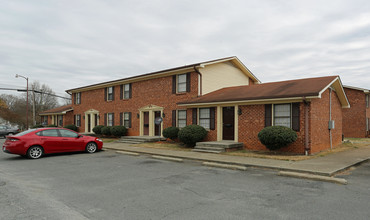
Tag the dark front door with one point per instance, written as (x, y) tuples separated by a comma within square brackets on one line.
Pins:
[(228, 117), (96, 120), (146, 123), (157, 129), (88, 123)]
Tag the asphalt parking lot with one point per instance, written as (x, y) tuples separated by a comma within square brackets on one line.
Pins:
[(107, 185)]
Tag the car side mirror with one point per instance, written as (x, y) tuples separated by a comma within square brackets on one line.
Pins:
[(79, 136)]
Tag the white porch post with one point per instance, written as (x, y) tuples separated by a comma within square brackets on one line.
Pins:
[(219, 123)]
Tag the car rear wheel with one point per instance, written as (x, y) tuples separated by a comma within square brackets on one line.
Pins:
[(91, 147), (35, 152)]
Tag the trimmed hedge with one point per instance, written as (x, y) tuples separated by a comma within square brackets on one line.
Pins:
[(191, 134), (118, 130), (97, 129), (276, 137), (71, 127), (106, 130), (51, 126), (171, 132), (37, 126)]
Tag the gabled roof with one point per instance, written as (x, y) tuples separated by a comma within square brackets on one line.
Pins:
[(357, 88), (60, 110), (292, 89), (172, 71)]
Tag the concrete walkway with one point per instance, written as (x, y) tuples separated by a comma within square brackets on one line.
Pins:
[(326, 166)]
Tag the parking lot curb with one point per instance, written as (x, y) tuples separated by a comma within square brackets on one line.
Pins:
[(313, 177), (222, 165), (128, 153), (167, 158)]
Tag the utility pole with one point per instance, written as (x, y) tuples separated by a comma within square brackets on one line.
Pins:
[(34, 111), (26, 78)]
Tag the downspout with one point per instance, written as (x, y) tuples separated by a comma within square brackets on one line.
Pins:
[(330, 135), (200, 80), (306, 138)]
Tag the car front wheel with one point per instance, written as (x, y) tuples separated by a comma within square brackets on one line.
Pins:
[(91, 147), (35, 152)]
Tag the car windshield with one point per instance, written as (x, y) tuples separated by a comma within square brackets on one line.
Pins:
[(25, 132)]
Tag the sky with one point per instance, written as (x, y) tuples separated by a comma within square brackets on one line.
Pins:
[(72, 43)]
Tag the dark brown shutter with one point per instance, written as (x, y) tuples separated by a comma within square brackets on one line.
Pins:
[(295, 116), (105, 94), (105, 119), (195, 116), (174, 84), (80, 98), (212, 118), (121, 93), (74, 98), (129, 118), (188, 82), (112, 119), (130, 91), (268, 115), (121, 118), (112, 93), (173, 118), (74, 120)]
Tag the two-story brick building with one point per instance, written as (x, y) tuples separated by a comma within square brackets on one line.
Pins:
[(356, 120), (221, 95)]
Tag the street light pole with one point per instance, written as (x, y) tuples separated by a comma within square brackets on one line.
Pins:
[(26, 78)]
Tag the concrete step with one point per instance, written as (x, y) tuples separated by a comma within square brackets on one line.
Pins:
[(142, 139), (222, 144), (206, 151), (211, 148), (130, 142)]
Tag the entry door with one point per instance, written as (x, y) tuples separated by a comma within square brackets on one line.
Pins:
[(157, 129), (146, 123), (228, 117), (96, 120), (88, 123)]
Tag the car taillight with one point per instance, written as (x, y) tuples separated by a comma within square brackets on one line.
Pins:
[(12, 139)]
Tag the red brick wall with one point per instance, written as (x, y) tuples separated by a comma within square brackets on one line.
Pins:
[(252, 121), (354, 122), (154, 91), (319, 119), (367, 118)]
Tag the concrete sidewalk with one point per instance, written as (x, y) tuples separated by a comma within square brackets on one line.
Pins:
[(326, 166)]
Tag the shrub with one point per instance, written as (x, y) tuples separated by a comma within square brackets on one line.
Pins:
[(276, 137), (171, 132), (37, 126), (191, 134), (51, 126), (97, 129), (118, 131), (106, 130), (71, 127)]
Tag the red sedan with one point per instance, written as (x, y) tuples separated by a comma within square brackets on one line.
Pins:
[(34, 143)]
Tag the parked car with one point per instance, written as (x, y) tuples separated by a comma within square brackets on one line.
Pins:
[(34, 143), (6, 130)]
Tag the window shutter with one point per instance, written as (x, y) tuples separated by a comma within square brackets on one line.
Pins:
[(195, 116), (295, 116), (129, 118), (74, 120), (112, 93), (121, 118), (80, 98), (173, 118), (130, 92), (105, 119), (74, 98), (268, 115), (188, 82), (121, 93), (112, 119), (105, 95), (212, 118), (174, 84)]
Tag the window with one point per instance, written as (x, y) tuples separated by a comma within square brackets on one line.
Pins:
[(181, 118), (204, 117), (50, 133), (110, 93), (66, 133), (44, 120), (181, 83), (60, 120), (126, 91), (126, 119), (368, 124), (367, 100), (110, 119), (282, 115), (78, 120), (78, 98)]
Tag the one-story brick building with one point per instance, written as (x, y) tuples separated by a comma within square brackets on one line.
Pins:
[(221, 95), (356, 120)]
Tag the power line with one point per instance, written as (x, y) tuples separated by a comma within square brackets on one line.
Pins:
[(40, 92)]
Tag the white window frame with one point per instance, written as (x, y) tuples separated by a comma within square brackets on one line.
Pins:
[(274, 117), (178, 83), (200, 119), (367, 97), (110, 93), (126, 121), (179, 120), (109, 119), (78, 120), (126, 91), (78, 98)]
